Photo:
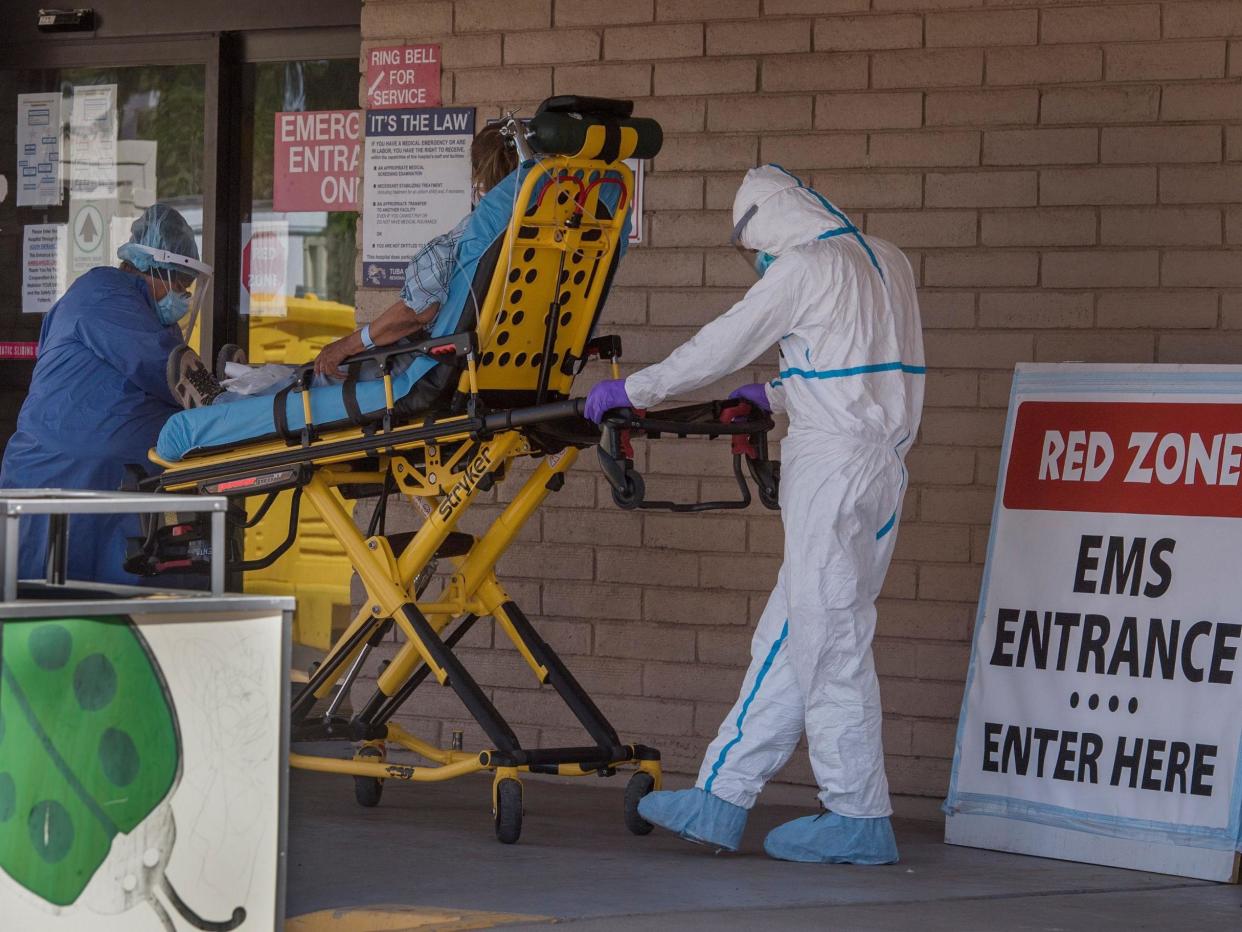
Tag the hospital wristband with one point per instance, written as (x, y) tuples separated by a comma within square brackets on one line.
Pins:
[(365, 334)]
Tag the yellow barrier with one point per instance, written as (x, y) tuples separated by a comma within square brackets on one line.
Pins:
[(315, 569)]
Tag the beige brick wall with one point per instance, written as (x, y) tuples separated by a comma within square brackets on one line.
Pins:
[(1066, 178)]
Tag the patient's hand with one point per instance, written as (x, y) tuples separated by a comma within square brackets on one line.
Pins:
[(328, 362)]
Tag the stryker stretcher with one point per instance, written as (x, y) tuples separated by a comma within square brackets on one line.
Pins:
[(491, 385)]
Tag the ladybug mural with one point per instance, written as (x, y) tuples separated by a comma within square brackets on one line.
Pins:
[(90, 756)]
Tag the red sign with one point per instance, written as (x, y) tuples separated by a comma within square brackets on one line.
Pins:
[(1162, 458), (315, 160), (403, 76), (18, 350)]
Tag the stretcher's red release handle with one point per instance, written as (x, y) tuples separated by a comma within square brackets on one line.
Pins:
[(743, 444)]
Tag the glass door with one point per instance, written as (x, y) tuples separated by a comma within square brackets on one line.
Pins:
[(295, 289), (88, 149)]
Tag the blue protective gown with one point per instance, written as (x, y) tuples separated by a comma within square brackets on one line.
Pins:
[(97, 401)]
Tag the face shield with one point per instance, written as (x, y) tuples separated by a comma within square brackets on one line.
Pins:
[(757, 262), (187, 281)]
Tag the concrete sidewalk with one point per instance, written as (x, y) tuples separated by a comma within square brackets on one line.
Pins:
[(426, 859)]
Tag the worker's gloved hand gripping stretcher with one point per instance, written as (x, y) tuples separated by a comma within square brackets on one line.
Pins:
[(842, 309)]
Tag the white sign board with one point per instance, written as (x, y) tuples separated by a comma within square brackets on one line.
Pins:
[(92, 142), (43, 266), (1101, 716), (149, 752), (417, 185), (636, 201), (38, 150)]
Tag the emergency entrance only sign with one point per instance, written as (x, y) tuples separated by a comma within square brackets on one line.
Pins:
[(1101, 716)]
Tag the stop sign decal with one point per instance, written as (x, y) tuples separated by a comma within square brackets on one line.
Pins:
[(264, 259)]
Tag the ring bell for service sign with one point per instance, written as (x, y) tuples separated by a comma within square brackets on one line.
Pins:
[(403, 76), (1103, 704)]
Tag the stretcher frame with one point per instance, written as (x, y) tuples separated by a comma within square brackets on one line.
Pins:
[(447, 461)]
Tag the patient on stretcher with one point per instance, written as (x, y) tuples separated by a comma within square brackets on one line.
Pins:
[(427, 279), (419, 383)]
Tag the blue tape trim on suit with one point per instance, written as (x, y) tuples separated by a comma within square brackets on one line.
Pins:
[(888, 525), (854, 370), (763, 671), (849, 225)]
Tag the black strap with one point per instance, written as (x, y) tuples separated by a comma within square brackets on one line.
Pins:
[(349, 394), (612, 142), (279, 417)]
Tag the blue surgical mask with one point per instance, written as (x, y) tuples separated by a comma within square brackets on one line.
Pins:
[(762, 261), (172, 307)]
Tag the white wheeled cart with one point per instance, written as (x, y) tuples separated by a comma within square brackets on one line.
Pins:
[(143, 740)]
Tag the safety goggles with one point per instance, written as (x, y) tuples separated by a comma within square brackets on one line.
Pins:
[(748, 255)]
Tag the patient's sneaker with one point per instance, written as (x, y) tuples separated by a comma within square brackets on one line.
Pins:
[(188, 379), (229, 352)]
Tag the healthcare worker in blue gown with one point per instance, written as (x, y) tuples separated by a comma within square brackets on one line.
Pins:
[(100, 391)]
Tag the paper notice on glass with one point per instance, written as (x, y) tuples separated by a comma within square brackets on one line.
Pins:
[(38, 150), (92, 142), (417, 185), (90, 223), (43, 266)]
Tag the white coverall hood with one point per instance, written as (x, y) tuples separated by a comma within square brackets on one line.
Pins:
[(788, 214)]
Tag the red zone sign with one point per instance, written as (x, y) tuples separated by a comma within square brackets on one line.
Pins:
[(1152, 458)]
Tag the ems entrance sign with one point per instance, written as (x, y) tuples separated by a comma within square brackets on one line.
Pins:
[(1101, 717)]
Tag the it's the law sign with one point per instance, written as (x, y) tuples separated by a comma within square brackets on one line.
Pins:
[(1100, 721)]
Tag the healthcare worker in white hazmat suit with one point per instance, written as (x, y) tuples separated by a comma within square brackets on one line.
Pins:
[(842, 308)]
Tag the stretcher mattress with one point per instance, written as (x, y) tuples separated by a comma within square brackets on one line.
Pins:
[(238, 422)]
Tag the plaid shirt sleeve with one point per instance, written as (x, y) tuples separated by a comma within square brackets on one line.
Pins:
[(429, 272)]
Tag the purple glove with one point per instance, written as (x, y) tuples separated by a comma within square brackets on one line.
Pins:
[(755, 393), (604, 397)]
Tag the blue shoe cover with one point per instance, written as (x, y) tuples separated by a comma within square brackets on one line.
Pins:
[(830, 838), (696, 816)]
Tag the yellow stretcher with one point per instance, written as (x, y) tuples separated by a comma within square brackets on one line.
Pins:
[(501, 411)]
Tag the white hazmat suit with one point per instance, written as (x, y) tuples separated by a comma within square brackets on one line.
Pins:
[(844, 312)]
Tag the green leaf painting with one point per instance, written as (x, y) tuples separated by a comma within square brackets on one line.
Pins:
[(89, 747)]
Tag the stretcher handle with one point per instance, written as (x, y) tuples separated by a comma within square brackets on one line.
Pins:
[(535, 414), (728, 418), (736, 418)]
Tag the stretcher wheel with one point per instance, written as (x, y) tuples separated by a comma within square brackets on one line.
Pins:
[(508, 811), (634, 492), (639, 786), (368, 790)]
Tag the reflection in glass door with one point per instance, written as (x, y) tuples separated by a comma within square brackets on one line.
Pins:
[(95, 147), (296, 291)]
